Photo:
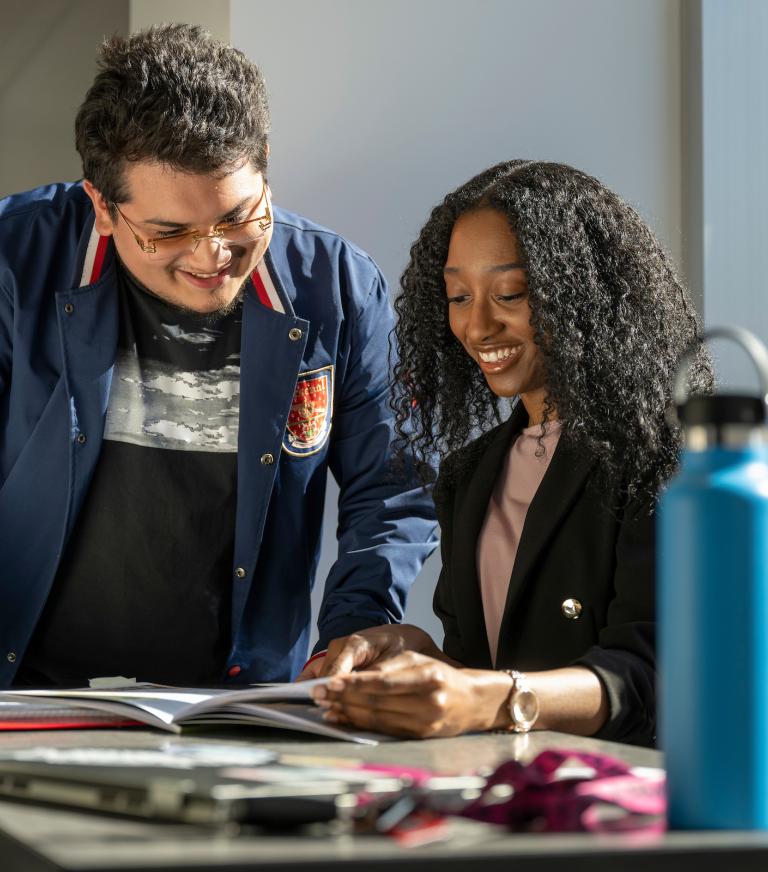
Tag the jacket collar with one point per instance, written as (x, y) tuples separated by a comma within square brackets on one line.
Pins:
[(96, 254), (269, 288)]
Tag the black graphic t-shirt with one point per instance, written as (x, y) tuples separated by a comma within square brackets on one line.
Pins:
[(144, 586)]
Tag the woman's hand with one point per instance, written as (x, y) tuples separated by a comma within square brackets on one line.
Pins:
[(413, 695), (367, 648)]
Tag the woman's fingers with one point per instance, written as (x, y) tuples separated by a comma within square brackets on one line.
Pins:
[(414, 691), (378, 701), (405, 661), (412, 723), (362, 650), (409, 695), (373, 648), (346, 654)]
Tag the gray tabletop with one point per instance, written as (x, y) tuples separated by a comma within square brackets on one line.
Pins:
[(36, 838)]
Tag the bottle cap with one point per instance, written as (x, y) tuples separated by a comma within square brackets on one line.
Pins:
[(722, 409)]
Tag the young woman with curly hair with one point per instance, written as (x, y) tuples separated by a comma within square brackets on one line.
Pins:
[(533, 283)]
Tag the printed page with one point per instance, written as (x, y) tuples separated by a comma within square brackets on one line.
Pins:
[(155, 711), (166, 707), (174, 701), (292, 716)]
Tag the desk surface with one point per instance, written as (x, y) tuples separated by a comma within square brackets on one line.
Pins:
[(40, 839)]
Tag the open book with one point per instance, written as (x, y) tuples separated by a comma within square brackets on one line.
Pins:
[(287, 706)]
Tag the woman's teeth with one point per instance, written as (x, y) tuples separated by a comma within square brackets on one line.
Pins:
[(496, 355)]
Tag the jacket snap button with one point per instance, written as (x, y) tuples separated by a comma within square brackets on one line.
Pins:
[(267, 459), (81, 438), (240, 572), (294, 334), (69, 308), (571, 608), (11, 656)]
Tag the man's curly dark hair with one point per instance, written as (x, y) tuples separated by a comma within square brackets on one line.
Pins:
[(175, 95), (610, 319)]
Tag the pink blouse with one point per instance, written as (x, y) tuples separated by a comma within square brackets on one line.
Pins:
[(497, 545)]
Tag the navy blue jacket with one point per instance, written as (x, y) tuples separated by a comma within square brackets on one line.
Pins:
[(316, 309)]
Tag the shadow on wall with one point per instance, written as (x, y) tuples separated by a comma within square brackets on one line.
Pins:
[(47, 64)]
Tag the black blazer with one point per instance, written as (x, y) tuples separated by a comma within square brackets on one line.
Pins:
[(579, 543)]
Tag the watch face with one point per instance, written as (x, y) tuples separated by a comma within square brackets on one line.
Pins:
[(524, 709)]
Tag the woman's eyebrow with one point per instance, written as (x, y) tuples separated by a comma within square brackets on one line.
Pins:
[(505, 267)]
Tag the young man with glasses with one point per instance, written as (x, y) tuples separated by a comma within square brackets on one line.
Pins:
[(180, 365)]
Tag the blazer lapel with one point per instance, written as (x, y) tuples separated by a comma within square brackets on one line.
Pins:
[(470, 507), (563, 481)]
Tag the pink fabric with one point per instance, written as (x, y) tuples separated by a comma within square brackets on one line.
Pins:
[(516, 486), (565, 791)]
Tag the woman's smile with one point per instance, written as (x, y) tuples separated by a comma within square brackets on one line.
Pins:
[(498, 359)]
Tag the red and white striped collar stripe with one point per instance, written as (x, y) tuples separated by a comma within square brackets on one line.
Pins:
[(95, 253), (265, 288), (94, 258)]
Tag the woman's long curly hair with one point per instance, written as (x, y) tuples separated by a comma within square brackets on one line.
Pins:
[(610, 319)]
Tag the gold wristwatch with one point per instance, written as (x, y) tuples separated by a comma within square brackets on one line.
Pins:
[(522, 703)]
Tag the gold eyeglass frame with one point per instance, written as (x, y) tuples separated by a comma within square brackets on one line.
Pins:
[(149, 246)]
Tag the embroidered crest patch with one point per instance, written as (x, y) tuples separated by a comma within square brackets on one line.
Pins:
[(309, 421)]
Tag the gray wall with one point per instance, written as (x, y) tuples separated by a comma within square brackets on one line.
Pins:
[(733, 70), (380, 108), (47, 62), (213, 15)]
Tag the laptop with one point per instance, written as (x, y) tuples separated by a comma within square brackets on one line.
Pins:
[(272, 795)]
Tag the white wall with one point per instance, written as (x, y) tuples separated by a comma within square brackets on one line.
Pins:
[(380, 108)]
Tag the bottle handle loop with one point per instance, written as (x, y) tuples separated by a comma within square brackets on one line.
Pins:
[(754, 348)]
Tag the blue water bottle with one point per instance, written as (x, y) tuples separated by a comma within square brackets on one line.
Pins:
[(713, 607)]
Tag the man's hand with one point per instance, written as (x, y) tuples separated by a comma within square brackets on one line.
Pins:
[(368, 648), (416, 696)]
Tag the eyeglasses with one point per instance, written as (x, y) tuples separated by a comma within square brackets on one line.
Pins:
[(171, 245)]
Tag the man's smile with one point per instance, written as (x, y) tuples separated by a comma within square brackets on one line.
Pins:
[(205, 281)]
